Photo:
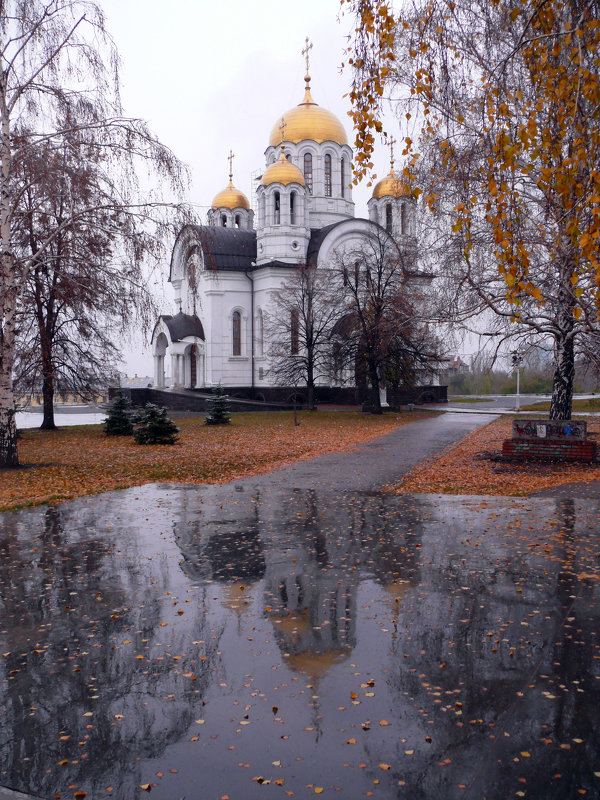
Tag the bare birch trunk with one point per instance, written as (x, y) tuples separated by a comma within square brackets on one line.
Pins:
[(564, 372), (8, 297), (564, 356)]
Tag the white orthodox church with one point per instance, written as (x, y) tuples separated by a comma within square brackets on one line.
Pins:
[(224, 273)]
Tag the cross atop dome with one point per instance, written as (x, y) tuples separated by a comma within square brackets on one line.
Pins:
[(282, 127), (305, 52), (391, 143), (230, 158)]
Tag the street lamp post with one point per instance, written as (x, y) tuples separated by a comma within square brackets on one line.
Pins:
[(517, 360)]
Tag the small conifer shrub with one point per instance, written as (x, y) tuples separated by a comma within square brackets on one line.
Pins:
[(118, 417), (218, 413), (153, 426)]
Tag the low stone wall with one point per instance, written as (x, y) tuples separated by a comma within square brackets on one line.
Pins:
[(550, 440), (275, 398), (549, 450)]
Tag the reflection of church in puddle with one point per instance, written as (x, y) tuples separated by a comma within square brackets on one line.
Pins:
[(310, 556)]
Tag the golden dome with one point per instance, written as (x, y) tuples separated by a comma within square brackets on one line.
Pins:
[(309, 121), (231, 197), (282, 171), (392, 186)]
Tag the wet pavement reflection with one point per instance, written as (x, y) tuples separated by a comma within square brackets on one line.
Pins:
[(210, 642)]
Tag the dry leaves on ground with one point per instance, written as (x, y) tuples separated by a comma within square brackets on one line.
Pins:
[(72, 462), (475, 466)]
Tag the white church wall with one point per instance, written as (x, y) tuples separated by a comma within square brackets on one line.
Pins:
[(226, 293)]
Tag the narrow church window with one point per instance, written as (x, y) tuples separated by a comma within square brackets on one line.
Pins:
[(276, 208), (327, 175), (236, 333), (343, 177), (294, 332), (293, 208), (308, 172), (403, 220), (238, 221), (388, 217), (223, 221)]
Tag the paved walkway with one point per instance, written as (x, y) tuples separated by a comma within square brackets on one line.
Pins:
[(374, 464)]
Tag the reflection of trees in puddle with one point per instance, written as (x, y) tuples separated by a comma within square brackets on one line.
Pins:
[(100, 667), (496, 660)]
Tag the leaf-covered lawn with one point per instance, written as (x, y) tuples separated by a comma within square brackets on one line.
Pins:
[(475, 466), (81, 460)]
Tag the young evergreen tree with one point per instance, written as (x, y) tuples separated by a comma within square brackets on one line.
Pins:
[(118, 420), (219, 408), (153, 426)]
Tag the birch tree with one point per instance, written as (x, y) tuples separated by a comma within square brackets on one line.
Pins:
[(59, 80), (499, 104)]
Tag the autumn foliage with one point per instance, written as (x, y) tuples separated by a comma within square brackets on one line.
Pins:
[(498, 103), (71, 462), (475, 466)]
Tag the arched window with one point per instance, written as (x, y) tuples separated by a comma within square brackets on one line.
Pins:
[(276, 208), (260, 333), (308, 172), (261, 209), (327, 175), (403, 220), (343, 177), (238, 221), (293, 208), (223, 221), (236, 334), (294, 332), (388, 217)]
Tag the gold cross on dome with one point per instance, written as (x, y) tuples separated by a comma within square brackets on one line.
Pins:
[(305, 51), (230, 159), (282, 127), (391, 143)]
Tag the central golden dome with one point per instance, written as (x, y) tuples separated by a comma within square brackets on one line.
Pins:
[(230, 197), (392, 186), (282, 171), (309, 121)]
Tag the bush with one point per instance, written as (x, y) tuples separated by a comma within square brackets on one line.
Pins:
[(152, 426), (118, 420), (218, 409)]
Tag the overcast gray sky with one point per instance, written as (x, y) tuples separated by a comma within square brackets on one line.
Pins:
[(210, 76)]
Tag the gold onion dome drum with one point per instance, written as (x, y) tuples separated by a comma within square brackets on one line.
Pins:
[(231, 197), (392, 186), (309, 121), (282, 171)]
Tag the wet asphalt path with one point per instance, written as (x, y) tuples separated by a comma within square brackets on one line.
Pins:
[(375, 464)]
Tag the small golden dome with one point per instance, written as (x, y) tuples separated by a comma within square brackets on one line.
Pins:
[(309, 121), (282, 171), (231, 197), (392, 186)]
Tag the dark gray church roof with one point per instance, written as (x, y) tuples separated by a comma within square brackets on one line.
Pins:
[(228, 248), (182, 325)]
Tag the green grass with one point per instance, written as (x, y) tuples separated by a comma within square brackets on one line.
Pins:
[(578, 405)]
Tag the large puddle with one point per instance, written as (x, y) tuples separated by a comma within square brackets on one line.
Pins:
[(214, 642)]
